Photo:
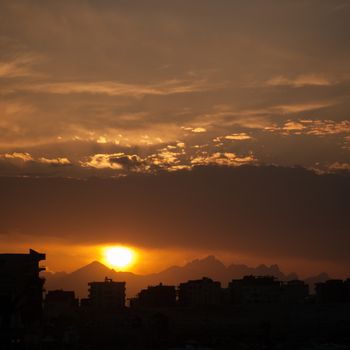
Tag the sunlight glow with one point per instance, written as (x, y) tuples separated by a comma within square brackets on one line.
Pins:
[(119, 256)]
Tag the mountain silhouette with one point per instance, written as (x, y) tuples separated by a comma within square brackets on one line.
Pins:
[(209, 266), (95, 271), (311, 281)]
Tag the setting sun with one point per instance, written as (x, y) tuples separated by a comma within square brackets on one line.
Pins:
[(119, 256)]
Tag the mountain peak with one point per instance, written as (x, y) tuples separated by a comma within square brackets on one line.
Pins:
[(93, 266), (96, 263), (210, 258)]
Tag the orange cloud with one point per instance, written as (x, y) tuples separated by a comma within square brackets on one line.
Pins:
[(113, 88), (55, 161), (340, 166), (239, 137), (301, 81), (312, 127), (26, 157), (227, 158), (20, 66)]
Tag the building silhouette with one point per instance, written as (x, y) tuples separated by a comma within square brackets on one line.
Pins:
[(332, 291), (107, 294), (294, 291), (21, 297), (258, 312), (204, 291), (156, 296), (60, 302), (255, 290), (347, 290)]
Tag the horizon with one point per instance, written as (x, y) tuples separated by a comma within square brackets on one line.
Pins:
[(189, 262), (185, 263)]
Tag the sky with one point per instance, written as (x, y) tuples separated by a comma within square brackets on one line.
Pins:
[(161, 95)]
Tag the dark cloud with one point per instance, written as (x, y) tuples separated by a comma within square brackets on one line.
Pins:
[(127, 161), (280, 212)]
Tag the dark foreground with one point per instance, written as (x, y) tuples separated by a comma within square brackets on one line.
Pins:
[(303, 326)]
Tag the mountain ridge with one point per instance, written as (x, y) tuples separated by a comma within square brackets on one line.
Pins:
[(209, 266)]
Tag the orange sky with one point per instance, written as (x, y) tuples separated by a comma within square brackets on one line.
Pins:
[(63, 257), (183, 128)]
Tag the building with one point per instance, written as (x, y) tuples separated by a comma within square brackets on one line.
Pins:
[(156, 296), (347, 290), (107, 294), (60, 302), (295, 291), (200, 292), (331, 291), (21, 296), (255, 290)]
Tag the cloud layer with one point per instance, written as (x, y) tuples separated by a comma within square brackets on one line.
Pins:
[(256, 211), (78, 75)]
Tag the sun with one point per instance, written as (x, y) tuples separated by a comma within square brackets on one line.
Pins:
[(119, 256)]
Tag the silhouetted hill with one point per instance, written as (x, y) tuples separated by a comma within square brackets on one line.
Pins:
[(311, 281), (237, 271), (209, 266)]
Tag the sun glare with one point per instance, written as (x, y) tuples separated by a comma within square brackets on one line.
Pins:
[(120, 257)]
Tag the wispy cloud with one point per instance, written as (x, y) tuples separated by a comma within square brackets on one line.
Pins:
[(238, 137), (337, 166), (54, 161), (114, 88), (312, 127), (196, 130), (300, 81), (300, 107), (19, 66), (218, 158)]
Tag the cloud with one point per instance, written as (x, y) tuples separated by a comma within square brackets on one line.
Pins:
[(103, 161), (165, 157), (198, 130), (300, 81), (339, 166), (227, 159), (238, 137), (101, 139), (129, 162), (259, 211), (19, 66), (116, 161), (24, 156), (300, 107), (113, 88), (55, 161), (94, 84), (327, 127), (293, 126), (312, 127)]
